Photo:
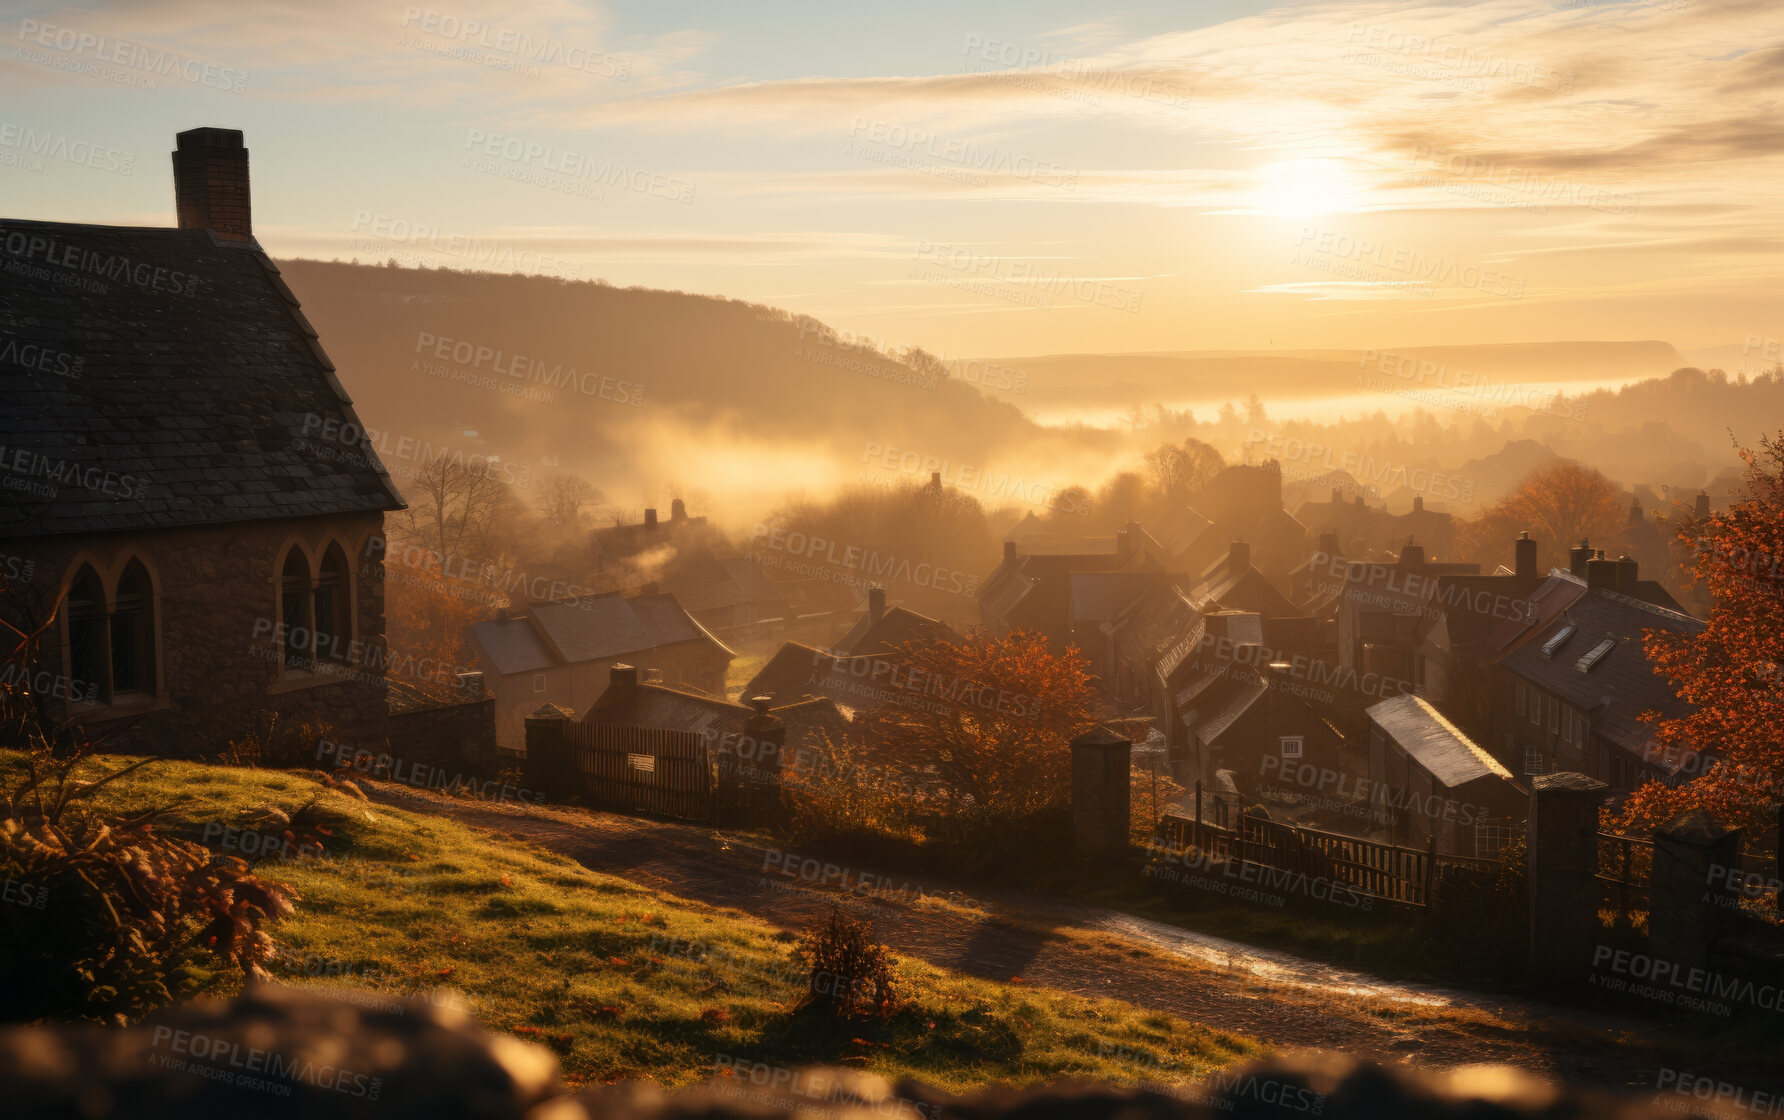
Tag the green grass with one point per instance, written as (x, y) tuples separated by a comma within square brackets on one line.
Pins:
[(539, 946)]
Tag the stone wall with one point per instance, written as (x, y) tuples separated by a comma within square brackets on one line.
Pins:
[(461, 735), (216, 607), (283, 1053)]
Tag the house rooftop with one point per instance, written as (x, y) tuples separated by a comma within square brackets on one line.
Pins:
[(1434, 742)]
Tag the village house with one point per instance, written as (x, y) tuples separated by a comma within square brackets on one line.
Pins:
[(881, 629), (1429, 782), (563, 652), (1244, 503), (1362, 529), (204, 564), (1042, 592)]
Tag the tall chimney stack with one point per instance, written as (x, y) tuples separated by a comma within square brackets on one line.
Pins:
[(1703, 506), (678, 510), (623, 681), (210, 183), (1577, 557), (876, 605), (1601, 573), (1009, 552), (650, 519), (1524, 552), (1628, 575), (1418, 503)]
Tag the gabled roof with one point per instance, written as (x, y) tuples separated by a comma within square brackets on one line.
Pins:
[(592, 628), (1101, 596), (661, 707), (1435, 743), (1620, 684), (193, 390), (895, 627), (1242, 587), (1158, 630)]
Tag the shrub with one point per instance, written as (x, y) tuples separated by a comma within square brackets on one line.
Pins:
[(103, 916), (848, 974)]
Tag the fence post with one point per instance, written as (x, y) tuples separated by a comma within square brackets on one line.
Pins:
[(1693, 888), (547, 766), (761, 786), (1430, 871), (1102, 792), (1564, 890)]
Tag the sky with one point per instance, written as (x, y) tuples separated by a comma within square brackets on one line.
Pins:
[(975, 178)]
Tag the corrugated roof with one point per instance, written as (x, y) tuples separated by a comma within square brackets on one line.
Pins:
[(1434, 742), (186, 388)]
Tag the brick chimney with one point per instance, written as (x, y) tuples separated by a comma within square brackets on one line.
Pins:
[(210, 183), (1238, 555), (1601, 573), (678, 510), (1418, 503), (1524, 553), (1411, 556), (622, 681), (1009, 552), (1577, 557), (1628, 574), (1702, 508), (876, 605), (650, 519)]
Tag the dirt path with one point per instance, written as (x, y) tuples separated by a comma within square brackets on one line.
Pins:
[(1285, 1000)]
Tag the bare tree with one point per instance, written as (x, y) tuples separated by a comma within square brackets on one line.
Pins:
[(564, 496)]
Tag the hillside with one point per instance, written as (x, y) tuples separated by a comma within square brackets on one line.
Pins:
[(649, 391), (1103, 381), (621, 979)]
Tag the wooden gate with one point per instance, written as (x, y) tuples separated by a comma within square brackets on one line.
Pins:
[(641, 769)]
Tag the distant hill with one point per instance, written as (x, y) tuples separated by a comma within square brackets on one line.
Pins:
[(1103, 381), (647, 391)]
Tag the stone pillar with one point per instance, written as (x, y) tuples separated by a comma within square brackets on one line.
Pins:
[(759, 757), (1694, 889), (1563, 862), (1102, 792), (547, 765)]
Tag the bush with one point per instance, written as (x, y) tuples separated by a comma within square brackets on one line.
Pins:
[(848, 974), (103, 916)]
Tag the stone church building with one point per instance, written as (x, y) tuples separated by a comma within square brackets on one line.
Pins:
[(211, 564)]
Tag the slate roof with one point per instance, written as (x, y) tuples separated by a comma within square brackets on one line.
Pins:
[(1243, 587), (895, 627), (1158, 630), (194, 391), (593, 628), (1435, 743), (661, 707), (1622, 683)]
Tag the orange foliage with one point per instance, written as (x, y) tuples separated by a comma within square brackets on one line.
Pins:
[(426, 615), (1731, 670), (1558, 505), (986, 725)]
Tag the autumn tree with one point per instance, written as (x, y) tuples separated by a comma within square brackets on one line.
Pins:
[(1732, 671), (987, 724), (428, 616), (457, 509), (1559, 505)]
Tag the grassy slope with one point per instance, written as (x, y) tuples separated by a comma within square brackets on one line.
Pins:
[(540, 946)]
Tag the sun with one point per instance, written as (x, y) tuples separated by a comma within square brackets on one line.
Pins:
[(1302, 188)]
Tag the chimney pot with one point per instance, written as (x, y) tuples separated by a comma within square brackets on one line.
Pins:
[(210, 183), (760, 703), (623, 679)]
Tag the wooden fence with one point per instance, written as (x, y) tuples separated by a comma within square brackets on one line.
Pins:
[(1385, 871), (640, 769)]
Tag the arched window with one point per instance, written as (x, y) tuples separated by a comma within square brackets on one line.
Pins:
[(88, 671), (334, 620), (297, 627), (133, 633)]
